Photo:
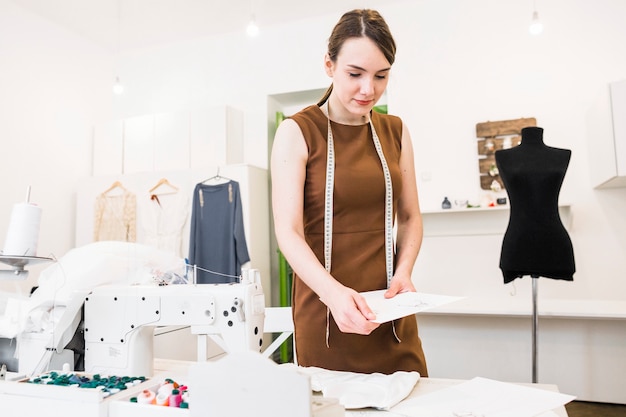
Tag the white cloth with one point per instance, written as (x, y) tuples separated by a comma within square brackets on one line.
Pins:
[(78, 272), (356, 390), (162, 220)]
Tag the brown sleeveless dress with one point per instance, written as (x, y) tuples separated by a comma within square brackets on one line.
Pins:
[(358, 247)]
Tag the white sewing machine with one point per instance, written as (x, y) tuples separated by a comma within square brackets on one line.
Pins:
[(120, 321)]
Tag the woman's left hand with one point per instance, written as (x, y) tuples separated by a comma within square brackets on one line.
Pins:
[(399, 285)]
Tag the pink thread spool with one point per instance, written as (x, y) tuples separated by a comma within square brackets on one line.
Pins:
[(175, 398)]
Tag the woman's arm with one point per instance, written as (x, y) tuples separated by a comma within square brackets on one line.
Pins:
[(409, 221), (288, 170)]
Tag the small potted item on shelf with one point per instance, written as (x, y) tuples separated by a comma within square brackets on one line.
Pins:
[(495, 186), (462, 203)]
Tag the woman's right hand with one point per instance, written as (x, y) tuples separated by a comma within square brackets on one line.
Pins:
[(350, 311)]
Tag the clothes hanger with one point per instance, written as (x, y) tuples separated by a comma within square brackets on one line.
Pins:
[(162, 182), (113, 186), (217, 178)]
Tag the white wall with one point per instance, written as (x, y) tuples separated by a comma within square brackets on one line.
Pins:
[(459, 63), (54, 86)]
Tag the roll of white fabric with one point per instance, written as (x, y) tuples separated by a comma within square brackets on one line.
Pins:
[(23, 231)]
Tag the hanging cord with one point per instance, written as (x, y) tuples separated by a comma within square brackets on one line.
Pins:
[(195, 268)]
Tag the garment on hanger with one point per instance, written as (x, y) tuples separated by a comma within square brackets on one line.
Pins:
[(115, 215), (163, 211), (217, 238)]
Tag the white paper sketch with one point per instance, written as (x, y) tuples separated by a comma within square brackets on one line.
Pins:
[(403, 304)]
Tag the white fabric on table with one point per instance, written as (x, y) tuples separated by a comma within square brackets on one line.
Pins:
[(78, 272), (357, 390)]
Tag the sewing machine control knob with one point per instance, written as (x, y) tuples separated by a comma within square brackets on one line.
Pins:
[(238, 308)]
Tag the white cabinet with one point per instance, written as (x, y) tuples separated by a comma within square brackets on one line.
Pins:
[(108, 148), (171, 141), (618, 107), (607, 139), (138, 145), (216, 137), (197, 139)]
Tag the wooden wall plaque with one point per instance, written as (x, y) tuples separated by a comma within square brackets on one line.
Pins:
[(492, 136)]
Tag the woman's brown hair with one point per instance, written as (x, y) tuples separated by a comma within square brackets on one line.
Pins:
[(356, 24)]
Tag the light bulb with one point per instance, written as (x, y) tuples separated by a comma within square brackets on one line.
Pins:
[(252, 29), (118, 88), (536, 27)]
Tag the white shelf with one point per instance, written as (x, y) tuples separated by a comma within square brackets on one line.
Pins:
[(546, 308), (475, 221)]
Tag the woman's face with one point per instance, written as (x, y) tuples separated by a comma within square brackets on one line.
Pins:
[(360, 75)]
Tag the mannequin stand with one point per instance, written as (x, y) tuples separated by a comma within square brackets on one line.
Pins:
[(535, 282)]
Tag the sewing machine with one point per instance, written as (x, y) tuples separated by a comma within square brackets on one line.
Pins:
[(120, 321)]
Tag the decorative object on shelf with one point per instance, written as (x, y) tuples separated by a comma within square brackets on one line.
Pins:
[(445, 204), (493, 136), (501, 201), (461, 203)]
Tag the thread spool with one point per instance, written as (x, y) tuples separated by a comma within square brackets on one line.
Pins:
[(166, 389), (146, 397), (162, 398), (23, 231), (175, 398)]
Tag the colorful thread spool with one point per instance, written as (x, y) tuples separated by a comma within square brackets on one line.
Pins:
[(175, 398), (162, 399), (146, 397), (166, 388)]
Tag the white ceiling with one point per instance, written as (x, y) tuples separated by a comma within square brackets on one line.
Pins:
[(128, 24)]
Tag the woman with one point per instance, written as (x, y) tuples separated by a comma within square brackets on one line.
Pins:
[(334, 208)]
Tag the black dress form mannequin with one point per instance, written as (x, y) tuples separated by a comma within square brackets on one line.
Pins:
[(535, 242)]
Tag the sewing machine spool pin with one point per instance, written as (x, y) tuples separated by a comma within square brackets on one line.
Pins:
[(17, 264)]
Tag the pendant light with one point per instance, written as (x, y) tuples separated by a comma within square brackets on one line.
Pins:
[(118, 87), (252, 29), (536, 27)]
